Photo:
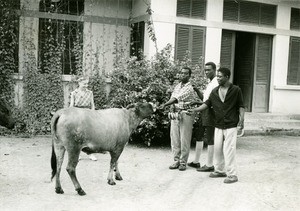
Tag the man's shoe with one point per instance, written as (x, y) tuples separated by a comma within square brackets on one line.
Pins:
[(93, 157), (205, 168), (231, 179), (174, 165), (194, 165), (182, 167), (217, 174)]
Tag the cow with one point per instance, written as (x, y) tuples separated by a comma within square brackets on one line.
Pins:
[(6, 119), (92, 131)]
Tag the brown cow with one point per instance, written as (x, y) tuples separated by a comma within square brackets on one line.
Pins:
[(6, 119), (76, 129)]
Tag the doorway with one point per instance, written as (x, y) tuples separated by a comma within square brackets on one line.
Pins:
[(244, 66), (248, 55)]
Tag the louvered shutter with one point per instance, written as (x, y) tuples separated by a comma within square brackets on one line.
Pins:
[(295, 19), (197, 47), (249, 12), (231, 11), (198, 8), (227, 52), (268, 15), (182, 41), (183, 8), (262, 72), (293, 77), (263, 65)]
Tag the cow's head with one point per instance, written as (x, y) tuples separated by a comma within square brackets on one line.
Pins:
[(143, 110), (6, 119)]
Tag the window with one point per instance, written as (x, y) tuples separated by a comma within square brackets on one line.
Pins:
[(249, 12), (137, 39), (189, 39), (71, 7), (293, 77), (10, 33), (68, 35), (295, 19), (191, 8)]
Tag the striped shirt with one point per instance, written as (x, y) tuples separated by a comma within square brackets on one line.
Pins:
[(82, 98), (185, 95)]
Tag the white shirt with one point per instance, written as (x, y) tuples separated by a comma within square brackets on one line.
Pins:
[(210, 86)]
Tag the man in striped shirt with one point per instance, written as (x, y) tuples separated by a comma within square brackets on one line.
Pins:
[(181, 127)]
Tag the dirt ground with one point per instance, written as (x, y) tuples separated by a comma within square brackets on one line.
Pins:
[(268, 179)]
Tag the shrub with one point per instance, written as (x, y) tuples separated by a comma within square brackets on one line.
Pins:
[(149, 80)]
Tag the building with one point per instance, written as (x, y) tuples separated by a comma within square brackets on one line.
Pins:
[(259, 40)]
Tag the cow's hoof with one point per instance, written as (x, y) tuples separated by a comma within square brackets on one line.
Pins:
[(80, 192), (111, 182), (118, 177), (59, 190)]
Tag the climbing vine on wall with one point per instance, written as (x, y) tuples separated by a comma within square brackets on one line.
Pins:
[(43, 90), (8, 50)]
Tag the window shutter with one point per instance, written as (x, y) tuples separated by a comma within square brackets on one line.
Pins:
[(197, 45), (182, 41), (249, 12), (137, 39), (295, 19), (263, 58), (183, 8), (227, 49), (268, 15), (231, 10), (199, 8), (293, 77)]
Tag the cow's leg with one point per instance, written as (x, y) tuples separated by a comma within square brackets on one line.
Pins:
[(118, 175), (60, 152), (113, 165), (71, 169)]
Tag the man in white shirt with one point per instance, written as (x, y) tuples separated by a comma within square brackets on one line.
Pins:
[(208, 124)]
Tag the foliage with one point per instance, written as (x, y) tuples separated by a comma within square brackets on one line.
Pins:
[(43, 91), (148, 80), (97, 84), (8, 46)]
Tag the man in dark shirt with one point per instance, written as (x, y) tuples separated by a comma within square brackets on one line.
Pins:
[(228, 106)]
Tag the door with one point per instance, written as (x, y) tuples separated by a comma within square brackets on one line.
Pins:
[(244, 66), (262, 73)]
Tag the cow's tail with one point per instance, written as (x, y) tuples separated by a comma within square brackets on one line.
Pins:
[(54, 121)]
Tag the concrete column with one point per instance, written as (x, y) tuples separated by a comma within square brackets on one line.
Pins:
[(213, 35)]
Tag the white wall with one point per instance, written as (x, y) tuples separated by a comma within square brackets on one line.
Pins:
[(100, 39), (283, 98)]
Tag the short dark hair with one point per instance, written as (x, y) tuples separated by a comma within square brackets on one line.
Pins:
[(211, 64), (225, 71), (189, 69)]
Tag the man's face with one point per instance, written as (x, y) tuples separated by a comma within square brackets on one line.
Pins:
[(221, 78), (184, 75), (209, 71)]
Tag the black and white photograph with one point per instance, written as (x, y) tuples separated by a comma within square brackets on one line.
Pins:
[(146, 105)]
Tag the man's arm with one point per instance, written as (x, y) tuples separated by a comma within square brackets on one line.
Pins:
[(72, 100), (242, 114), (92, 102), (170, 102)]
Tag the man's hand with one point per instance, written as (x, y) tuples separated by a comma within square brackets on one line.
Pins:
[(241, 124), (190, 112), (162, 107)]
